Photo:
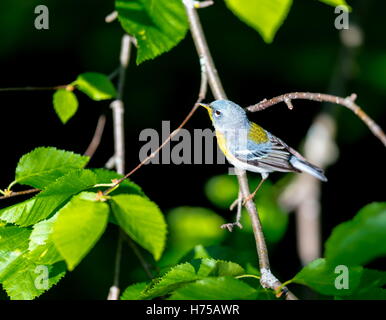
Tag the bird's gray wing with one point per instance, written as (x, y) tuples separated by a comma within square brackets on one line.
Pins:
[(273, 155)]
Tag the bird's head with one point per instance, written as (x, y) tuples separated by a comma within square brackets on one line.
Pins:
[(226, 114)]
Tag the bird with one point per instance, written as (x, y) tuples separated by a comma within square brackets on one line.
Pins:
[(249, 147)]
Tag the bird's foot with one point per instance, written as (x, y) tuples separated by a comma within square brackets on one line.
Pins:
[(230, 226)]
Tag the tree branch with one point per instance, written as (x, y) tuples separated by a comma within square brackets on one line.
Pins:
[(267, 279), (119, 149), (35, 88), (9, 193), (96, 139), (348, 102)]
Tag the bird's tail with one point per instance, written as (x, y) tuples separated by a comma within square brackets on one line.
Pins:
[(307, 167)]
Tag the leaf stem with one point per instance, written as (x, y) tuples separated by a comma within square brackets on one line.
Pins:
[(248, 276)]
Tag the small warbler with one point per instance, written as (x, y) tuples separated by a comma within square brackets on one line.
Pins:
[(248, 146)]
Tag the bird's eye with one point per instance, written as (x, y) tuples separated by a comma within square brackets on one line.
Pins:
[(217, 113)]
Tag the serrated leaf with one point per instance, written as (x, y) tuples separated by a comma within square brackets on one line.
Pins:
[(20, 274), (79, 225), (321, 277), (158, 25), (265, 16), (96, 85), (65, 104), (13, 244), (222, 288), (28, 280), (43, 166), (142, 220), (360, 240), (133, 292), (45, 203), (219, 268), (175, 278)]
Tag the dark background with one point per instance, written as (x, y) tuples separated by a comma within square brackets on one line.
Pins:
[(306, 55)]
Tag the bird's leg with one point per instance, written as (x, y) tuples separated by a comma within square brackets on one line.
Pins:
[(237, 202), (264, 177)]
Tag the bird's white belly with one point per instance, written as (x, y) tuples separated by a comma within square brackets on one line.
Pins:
[(245, 166)]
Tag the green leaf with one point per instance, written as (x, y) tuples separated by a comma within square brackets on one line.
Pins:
[(265, 16), (372, 279), (22, 285), (96, 85), (158, 25), (360, 240), (175, 278), (41, 247), (370, 286), (13, 243), (321, 277), (191, 226), (133, 292), (142, 221), (18, 273), (218, 268), (222, 288), (336, 3), (65, 104), (45, 203), (79, 225), (43, 165), (370, 294), (222, 190)]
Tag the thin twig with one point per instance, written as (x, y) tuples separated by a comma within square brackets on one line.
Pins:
[(111, 17), (203, 4), (119, 149), (348, 102), (96, 139), (267, 279), (34, 88), (201, 97), (19, 193)]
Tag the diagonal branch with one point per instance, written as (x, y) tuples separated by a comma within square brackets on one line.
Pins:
[(267, 280), (96, 139), (200, 98), (348, 102)]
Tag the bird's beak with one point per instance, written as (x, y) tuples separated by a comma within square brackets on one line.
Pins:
[(206, 106)]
